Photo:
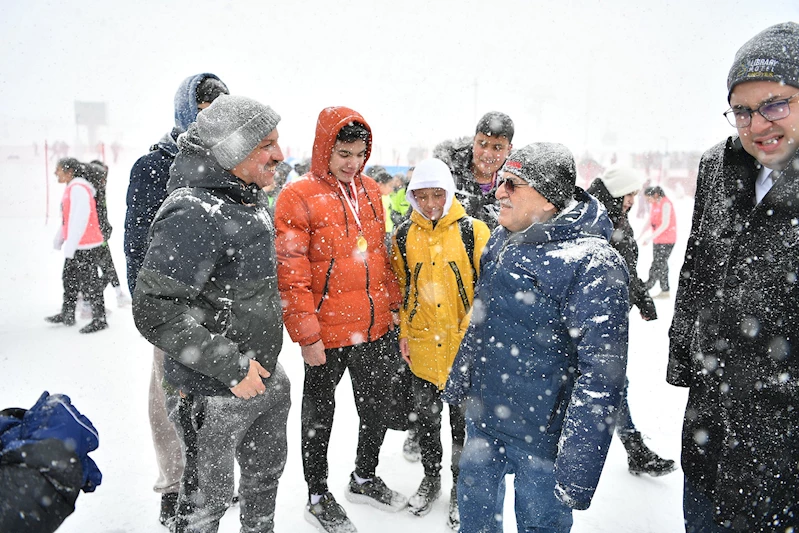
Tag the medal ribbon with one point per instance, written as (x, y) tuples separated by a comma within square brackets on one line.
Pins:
[(353, 208)]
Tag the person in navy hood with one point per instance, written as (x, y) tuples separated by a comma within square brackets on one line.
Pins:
[(542, 364)]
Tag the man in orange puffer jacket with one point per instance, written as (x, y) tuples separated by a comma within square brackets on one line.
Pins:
[(340, 303)]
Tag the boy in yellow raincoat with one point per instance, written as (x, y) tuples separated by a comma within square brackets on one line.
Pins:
[(436, 256)]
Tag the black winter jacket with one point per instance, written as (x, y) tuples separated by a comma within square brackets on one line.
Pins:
[(623, 240), (734, 341), (207, 292), (458, 155)]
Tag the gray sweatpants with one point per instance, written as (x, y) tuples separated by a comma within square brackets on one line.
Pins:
[(165, 436), (215, 430)]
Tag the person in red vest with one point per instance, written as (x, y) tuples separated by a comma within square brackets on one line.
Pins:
[(80, 238), (663, 225)]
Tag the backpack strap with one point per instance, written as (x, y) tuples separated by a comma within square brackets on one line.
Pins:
[(401, 235), (467, 236)]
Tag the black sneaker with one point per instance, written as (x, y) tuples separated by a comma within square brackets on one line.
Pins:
[(327, 515), (410, 448), (454, 518), (169, 506), (94, 325), (429, 490), (61, 318), (375, 493)]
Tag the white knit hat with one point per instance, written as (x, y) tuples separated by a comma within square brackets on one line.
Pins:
[(620, 181)]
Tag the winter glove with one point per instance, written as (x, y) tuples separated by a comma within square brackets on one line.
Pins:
[(647, 307)]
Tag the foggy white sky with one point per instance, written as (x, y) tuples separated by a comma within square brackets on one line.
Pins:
[(601, 76)]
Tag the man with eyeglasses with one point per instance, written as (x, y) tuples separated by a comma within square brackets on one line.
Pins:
[(733, 339), (541, 367)]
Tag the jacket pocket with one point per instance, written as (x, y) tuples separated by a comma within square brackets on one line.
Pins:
[(326, 287), (416, 270), (555, 420)]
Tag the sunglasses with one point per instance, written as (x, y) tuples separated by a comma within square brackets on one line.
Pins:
[(511, 185), (741, 117)]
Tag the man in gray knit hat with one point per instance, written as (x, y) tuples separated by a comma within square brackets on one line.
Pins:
[(207, 296), (733, 338)]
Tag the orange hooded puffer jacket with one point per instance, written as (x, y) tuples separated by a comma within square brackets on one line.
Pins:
[(330, 290)]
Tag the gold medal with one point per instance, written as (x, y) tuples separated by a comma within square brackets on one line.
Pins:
[(361, 243)]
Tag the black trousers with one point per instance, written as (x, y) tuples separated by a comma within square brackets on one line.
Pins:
[(106, 264), (81, 274), (659, 271), (370, 367), (427, 399)]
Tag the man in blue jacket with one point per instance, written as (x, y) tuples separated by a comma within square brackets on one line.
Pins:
[(542, 365), (146, 192)]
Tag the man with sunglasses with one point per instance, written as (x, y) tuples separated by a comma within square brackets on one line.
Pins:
[(733, 339), (542, 364)]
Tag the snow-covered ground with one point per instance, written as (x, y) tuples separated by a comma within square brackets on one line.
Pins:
[(107, 373)]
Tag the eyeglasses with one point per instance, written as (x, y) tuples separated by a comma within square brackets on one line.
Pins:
[(511, 185), (741, 117)]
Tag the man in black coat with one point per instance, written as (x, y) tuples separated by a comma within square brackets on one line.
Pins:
[(733, 339), (146, 192), (207, 296)]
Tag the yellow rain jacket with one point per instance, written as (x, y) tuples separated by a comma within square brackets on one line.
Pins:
[(439, 294)]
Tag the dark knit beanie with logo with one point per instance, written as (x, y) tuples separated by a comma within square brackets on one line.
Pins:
[(771, 55), (548, 167), (233, 126)]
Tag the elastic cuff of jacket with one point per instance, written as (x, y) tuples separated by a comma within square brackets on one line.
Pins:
[(310, 340)]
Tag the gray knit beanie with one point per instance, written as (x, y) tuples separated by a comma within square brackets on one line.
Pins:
[(548, 167), (232, 126), (771, 55)]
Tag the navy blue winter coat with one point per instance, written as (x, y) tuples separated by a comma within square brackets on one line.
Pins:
[(149, 177), (544, 359)]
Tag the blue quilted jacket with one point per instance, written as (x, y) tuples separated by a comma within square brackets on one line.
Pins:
[(543, 361)]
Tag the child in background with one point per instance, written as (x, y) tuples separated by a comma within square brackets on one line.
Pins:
[(436, 256)]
